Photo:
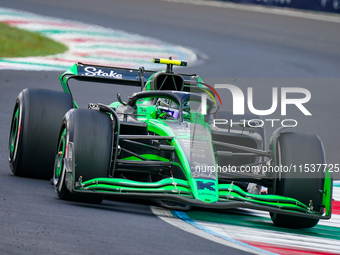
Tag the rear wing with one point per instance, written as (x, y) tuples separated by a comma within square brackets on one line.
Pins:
[(112, 75)]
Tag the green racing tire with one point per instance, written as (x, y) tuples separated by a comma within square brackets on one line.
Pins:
[(34, 131)]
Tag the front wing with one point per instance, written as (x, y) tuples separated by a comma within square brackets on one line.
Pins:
[(178, 190)]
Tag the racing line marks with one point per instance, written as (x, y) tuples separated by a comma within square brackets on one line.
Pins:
[(89, 44), (194, 228), (253, 231)]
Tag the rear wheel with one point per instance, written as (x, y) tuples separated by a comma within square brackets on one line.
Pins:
[(295, 150), (91, 133), (34, 131)]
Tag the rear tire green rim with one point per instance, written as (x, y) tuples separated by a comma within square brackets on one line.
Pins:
[(14, 134)]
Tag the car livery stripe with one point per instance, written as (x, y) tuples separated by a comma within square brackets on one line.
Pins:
[(89, 44)]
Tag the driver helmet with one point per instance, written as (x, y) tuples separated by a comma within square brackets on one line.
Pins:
[(170, 109)]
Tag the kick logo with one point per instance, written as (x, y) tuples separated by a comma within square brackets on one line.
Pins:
[(209, 185)]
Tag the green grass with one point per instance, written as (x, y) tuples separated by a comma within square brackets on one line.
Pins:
[(15, 42)]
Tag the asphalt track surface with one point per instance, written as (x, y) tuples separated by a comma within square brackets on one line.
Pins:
[(233, 46)]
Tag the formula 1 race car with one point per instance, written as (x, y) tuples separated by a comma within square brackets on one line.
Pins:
[(164, 144)]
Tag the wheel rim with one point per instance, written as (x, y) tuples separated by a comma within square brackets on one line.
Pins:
[(61, 153), (14, 134)]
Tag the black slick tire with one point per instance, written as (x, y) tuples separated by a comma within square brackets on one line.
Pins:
[(91, 133), (297, 149), (34, 131)]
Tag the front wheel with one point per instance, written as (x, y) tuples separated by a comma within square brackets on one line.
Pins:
[(91, 135), (295, 150)]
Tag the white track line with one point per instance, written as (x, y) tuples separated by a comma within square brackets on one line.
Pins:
[(201, 231), (230, 235)]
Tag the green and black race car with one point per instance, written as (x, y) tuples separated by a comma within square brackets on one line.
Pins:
[(164, 144)]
